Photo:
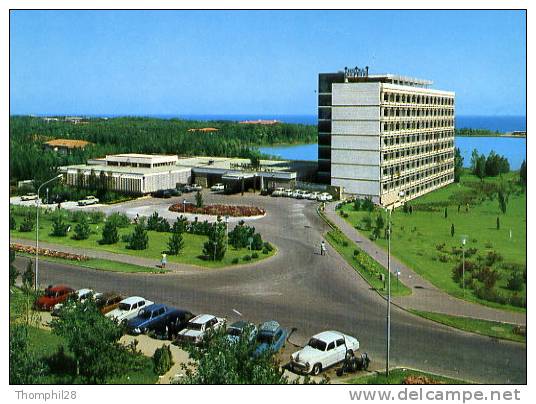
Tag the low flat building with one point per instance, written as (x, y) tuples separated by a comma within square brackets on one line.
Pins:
[(144, 174), (66, 146)]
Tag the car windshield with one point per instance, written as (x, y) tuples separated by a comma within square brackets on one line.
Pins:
[(51, 293), (195, 326), (145, 314), (124, 306), (317, 344), (264, 338), (234, 331)]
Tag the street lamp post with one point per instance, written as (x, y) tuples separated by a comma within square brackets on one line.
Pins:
[(464, 240), (57, 177), (227, 229), (388, 295)]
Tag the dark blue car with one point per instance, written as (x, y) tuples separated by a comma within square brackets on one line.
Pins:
[(156, 317), (270, 337)]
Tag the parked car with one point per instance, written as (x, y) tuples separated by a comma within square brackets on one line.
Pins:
[(166, 193), (303, 195), (150, 318), (28, 197), (196, 187), (89, 200), (176, 322), (106, 302), (288, 193), (217, 187), (313, 196), (322, 351), (79, 296), (236, 330), (271, 337), (199, 327), (278, 192), (296, 192), (324, 197), (53, 295), (128, 308)]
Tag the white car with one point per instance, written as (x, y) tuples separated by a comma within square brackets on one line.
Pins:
[(296, 192), (90, 200), (28, 197), (324, 197), (288, 193), (303, 195), (322, 351), (198, 327), (128, 308), (217, 187), (278, 192), (313, 196), (79, 296)]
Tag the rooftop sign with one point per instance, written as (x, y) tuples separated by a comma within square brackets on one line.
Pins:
[(355, 72)]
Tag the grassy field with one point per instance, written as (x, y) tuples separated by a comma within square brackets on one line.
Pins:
[(364, 265), (422, 240), (399, 376), (99, 264), (46, 345), (489, 328), (191, 254)]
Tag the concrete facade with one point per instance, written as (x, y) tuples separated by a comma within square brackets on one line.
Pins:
[(386, 137)]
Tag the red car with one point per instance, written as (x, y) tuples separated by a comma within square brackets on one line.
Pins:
[(53, 295)]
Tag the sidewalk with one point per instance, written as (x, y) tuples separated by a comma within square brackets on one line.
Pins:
[(425, 296)]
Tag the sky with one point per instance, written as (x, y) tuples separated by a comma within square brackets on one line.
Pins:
[(255, 62)]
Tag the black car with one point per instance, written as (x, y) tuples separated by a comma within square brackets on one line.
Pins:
[(166, 193), (176, 322)]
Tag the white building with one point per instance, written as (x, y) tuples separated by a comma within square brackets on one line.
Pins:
[(386, 137)]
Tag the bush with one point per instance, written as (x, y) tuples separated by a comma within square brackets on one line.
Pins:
[(235, 261), (59, 227), (257, 243), (492, 257), (139, 238), (268, 246), (121, 220), (356, 252), (82, 229), (77, 216), (491, 295), (487, 276), (247, 258), (515, 281), (265, 251), (158, 223), (27, 225), (345, 243), (96, 217), (109, 233), (12, 222), (162, 360), (457, 271), (367, 222), (367, 204), (518, 301), (255, 255)]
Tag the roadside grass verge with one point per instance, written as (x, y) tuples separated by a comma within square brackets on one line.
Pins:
[(422, 239), (493, 329), (367, 267), (99, 264), (191, 254), (404, 376)]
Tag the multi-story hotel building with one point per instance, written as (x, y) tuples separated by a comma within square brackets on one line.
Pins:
[(386, 137)]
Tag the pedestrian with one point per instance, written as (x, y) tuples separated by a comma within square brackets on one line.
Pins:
[(322, 248), (163, 261)]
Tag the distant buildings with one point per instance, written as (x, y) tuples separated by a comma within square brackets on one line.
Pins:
[(387, 137), (261, 122), (65, 146), (206, 130)]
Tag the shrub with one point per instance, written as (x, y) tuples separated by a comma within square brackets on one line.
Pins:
[(239, 236), (12, 222), (109, 233), (257, 244), (515, 281), (357, 204), (27, 225), (457, 271), (82, 229), (367, 222), (268, 246), (158, 223), (356, 252), (77, 216), (162, 360), (491, 295), (443, 258), (345, 243), (492, 257), (139, 238), (247, 258), (440, 247), (96, 217), (175, 243), (265, 251), (234, 261), (518, 301), (255, 255), (121, 220), (59, 227), (367, 204), (487, 276), (125, 238)]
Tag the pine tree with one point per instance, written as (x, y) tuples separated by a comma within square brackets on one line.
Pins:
[(498, 223), (109, 233), (446, 213), (82, 229), (452, 230), (139, 239), (175, 243), (199, 200), (216, 246)]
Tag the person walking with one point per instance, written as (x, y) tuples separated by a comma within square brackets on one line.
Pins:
[(163, 261), (322, 248)]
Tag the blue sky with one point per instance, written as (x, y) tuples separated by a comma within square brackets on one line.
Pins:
[(212, 62)]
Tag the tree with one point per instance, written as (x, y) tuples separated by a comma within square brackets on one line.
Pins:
[(238, 237), (380, 223), (93, 340), (452, 230), (257, 243), (109, 233), (458, 165), (480, 168), (139, 238), (28, 276), (59, 227), (176, 241), (25, 366), (523, 173), (223, 362), (27, 224), (474, 160), (12, 221), (199, 200), (82, 229), (216, 246), (13, 273), (503, 201)]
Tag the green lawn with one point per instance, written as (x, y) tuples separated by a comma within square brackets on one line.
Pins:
[(416, 237), (398, 376), (364, 264), (193, 245), (490, 328), (99, 264)]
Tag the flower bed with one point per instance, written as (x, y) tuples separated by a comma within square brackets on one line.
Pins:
[(219, 210), (47, 252)]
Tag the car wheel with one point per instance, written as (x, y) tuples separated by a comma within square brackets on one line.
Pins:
[(317, 368), (349, 354)]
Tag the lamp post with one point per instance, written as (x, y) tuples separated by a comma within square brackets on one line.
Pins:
[(388, 331), (184, 206), (57, 177), (464, 240), (227, 229)]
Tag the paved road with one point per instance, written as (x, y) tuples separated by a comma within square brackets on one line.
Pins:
[(301, 289)]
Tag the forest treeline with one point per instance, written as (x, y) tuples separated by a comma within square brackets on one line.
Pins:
[(29, 159)]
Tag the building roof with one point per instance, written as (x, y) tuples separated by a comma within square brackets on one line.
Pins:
[(203, 130), (68, 143)]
